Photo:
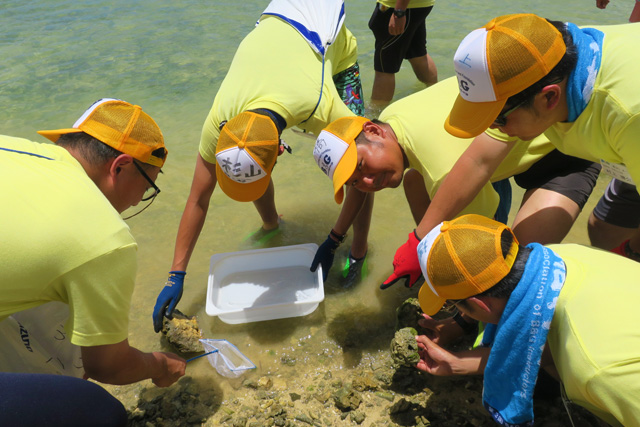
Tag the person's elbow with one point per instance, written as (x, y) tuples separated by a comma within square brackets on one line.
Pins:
[(109, 363)]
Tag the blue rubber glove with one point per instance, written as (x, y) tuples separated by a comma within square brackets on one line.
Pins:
[(324, 256), (168, 298), (405, 264)]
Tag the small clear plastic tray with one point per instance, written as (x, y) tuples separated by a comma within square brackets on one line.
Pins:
[(264, 284)]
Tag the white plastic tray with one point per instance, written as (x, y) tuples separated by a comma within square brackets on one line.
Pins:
[(264, 284)]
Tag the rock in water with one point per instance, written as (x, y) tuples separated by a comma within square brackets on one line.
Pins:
[(183, 333), (408, 314), (404, 347)]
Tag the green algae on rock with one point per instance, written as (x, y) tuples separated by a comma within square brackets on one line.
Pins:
[(408, 314), (404, 347), (183, 333)]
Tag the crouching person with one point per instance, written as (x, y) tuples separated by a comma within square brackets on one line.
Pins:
[(558, 307), (68, 258)]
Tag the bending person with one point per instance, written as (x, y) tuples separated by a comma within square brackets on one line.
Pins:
[(539, 302), (281, 76), (409, 145), (68, 259), (566, 86)]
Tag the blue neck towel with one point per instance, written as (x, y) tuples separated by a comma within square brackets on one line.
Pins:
[(518, 340), (588, 42)]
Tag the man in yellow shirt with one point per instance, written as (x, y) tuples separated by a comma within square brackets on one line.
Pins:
[(64, 245), (566, 308), (69, 267), (526, 76), (368, 156), (281, 76)]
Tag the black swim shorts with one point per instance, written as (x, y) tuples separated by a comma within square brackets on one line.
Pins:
[(391, 50), (570, 176)]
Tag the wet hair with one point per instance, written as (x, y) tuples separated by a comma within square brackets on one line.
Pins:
[(91, 149), (556, 75)]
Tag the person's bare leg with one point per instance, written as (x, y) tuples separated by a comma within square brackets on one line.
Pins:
[(384, 85), (266, 207), (425, 69), (608, 236), (416, 194), (361, 225), (544, 217)]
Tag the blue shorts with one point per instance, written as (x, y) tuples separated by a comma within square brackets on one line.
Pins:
[(57, 401)]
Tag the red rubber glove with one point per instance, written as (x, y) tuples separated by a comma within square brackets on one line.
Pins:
[(405, 263)]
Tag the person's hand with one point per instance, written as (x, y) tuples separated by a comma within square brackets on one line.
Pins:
[(174, 368), (434, 359), (405, 263), (324, 256), (396, 25), (442, 332), (168, 298), (601, 4)]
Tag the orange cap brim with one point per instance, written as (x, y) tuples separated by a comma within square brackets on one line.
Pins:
[(344, 170), (242, 192), (430, 303), (470, 119), (54, 135)]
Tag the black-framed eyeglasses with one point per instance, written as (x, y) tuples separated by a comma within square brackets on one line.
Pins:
[(153, 190), (149, 194), (501, 120)]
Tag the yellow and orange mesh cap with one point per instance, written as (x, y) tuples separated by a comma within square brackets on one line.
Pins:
[(336, 153), (462, 258), (122, 126), (497, 61), (246, 153)]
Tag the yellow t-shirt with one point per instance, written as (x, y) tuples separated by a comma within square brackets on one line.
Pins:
[(594, 338), (62, 241), (417, 121), (609, 126), (275, 68)]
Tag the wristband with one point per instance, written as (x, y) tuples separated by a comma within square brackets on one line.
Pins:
[(400, 13), (467, 327), (339, 237)]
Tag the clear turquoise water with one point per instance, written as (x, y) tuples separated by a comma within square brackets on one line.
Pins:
[(170, 57)]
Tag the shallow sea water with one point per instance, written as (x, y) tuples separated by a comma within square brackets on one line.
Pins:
[(170, 58)]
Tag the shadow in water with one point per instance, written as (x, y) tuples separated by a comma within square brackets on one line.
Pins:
[(358, 329), (189, 402)]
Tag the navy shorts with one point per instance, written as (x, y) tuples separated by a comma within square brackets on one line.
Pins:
[(570, 176), (392, 50), (619, 205)]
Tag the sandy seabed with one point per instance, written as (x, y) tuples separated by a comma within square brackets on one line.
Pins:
[(314, 385)]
